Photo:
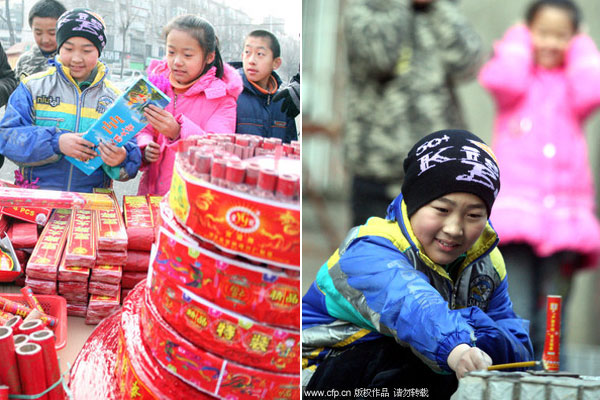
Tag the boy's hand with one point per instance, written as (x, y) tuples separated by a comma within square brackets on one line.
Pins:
[(73, 145), (464, 358), (111, 154), (163, 121), (151, 152), (291, 99)]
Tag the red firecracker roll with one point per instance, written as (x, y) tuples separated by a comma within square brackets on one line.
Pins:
[(137, 261), (46, 339), (20, 339), (4, 392), (34, 325), (263, 295), (223, 332), (31, 300), (190, 363), (130, 279), (23, 234), (138, 223), (14, 323), (31, 369), (9, 371), (13, 307)]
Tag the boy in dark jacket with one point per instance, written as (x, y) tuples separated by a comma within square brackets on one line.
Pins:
[(420, 298), (257, 113)]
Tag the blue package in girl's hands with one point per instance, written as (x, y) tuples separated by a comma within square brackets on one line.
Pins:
[(122, 121)]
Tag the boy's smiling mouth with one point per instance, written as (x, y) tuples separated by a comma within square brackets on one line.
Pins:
[(447, 245)]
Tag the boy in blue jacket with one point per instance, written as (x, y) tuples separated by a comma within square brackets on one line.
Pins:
[(420, 298), (257, 112), (49, 112)]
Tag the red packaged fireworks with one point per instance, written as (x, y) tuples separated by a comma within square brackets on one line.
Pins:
[(46, 339), (73, 290), (258, 229), (15, 197), (137, 261), (138, 223), (106, 257), (225, 333), (14, 323), (13, 307), (9, 371), (4, 392), (104, 289), (107, 273), (81, 245), (76, 310), (130, 279), (261, 384), (33, 325), (31, 369), (23, 234), (72, 273), (48, 251), (551, 355), (36, 215), (264, 295), (111, 232), (41, 286)]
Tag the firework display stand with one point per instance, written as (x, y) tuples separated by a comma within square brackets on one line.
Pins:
[(192, 295)]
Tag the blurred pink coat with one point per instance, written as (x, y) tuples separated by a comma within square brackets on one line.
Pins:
[(547, 191), (208, 106)]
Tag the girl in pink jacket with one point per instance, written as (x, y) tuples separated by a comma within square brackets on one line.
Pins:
[(203, 92), (545, 80)]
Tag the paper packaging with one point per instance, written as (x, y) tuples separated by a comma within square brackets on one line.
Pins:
[(9, 371), (48, 251), (40, 286), (261, 230), (122, 120), (37, 215), (72, 273), (23, 234), (73, 289), (31, 369), (111, 232), (81, 244), (46, 339), (138, 222), (223, 332), (107, 273), (104, 289), (13, 197), (77, 310), (551, 355), (105, 257)]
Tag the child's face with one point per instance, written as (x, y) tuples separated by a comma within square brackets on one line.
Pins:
[(185, 57), (447, 227), (551, 31), (44, 33), (80, 56), (258, 60)]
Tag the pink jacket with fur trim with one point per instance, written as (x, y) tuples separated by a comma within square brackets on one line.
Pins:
[(547, 195), (209, 106)]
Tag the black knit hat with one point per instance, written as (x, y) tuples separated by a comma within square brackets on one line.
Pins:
[(449, 161), (81, 22)]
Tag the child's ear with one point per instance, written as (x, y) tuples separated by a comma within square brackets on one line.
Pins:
[(276, 63), (210, 58)]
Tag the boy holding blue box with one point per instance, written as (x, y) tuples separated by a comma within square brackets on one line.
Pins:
[(48, 113)]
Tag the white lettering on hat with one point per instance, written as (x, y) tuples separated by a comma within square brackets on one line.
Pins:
[(431, 144), (485, 174), (429, 161)]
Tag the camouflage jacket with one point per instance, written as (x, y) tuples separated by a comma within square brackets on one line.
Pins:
[(403, 66), (31, 62)]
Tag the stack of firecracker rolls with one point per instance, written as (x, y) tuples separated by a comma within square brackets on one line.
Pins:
[(219, 315), (29, 363)]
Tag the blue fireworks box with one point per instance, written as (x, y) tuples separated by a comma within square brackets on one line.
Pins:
[(122, 120)]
